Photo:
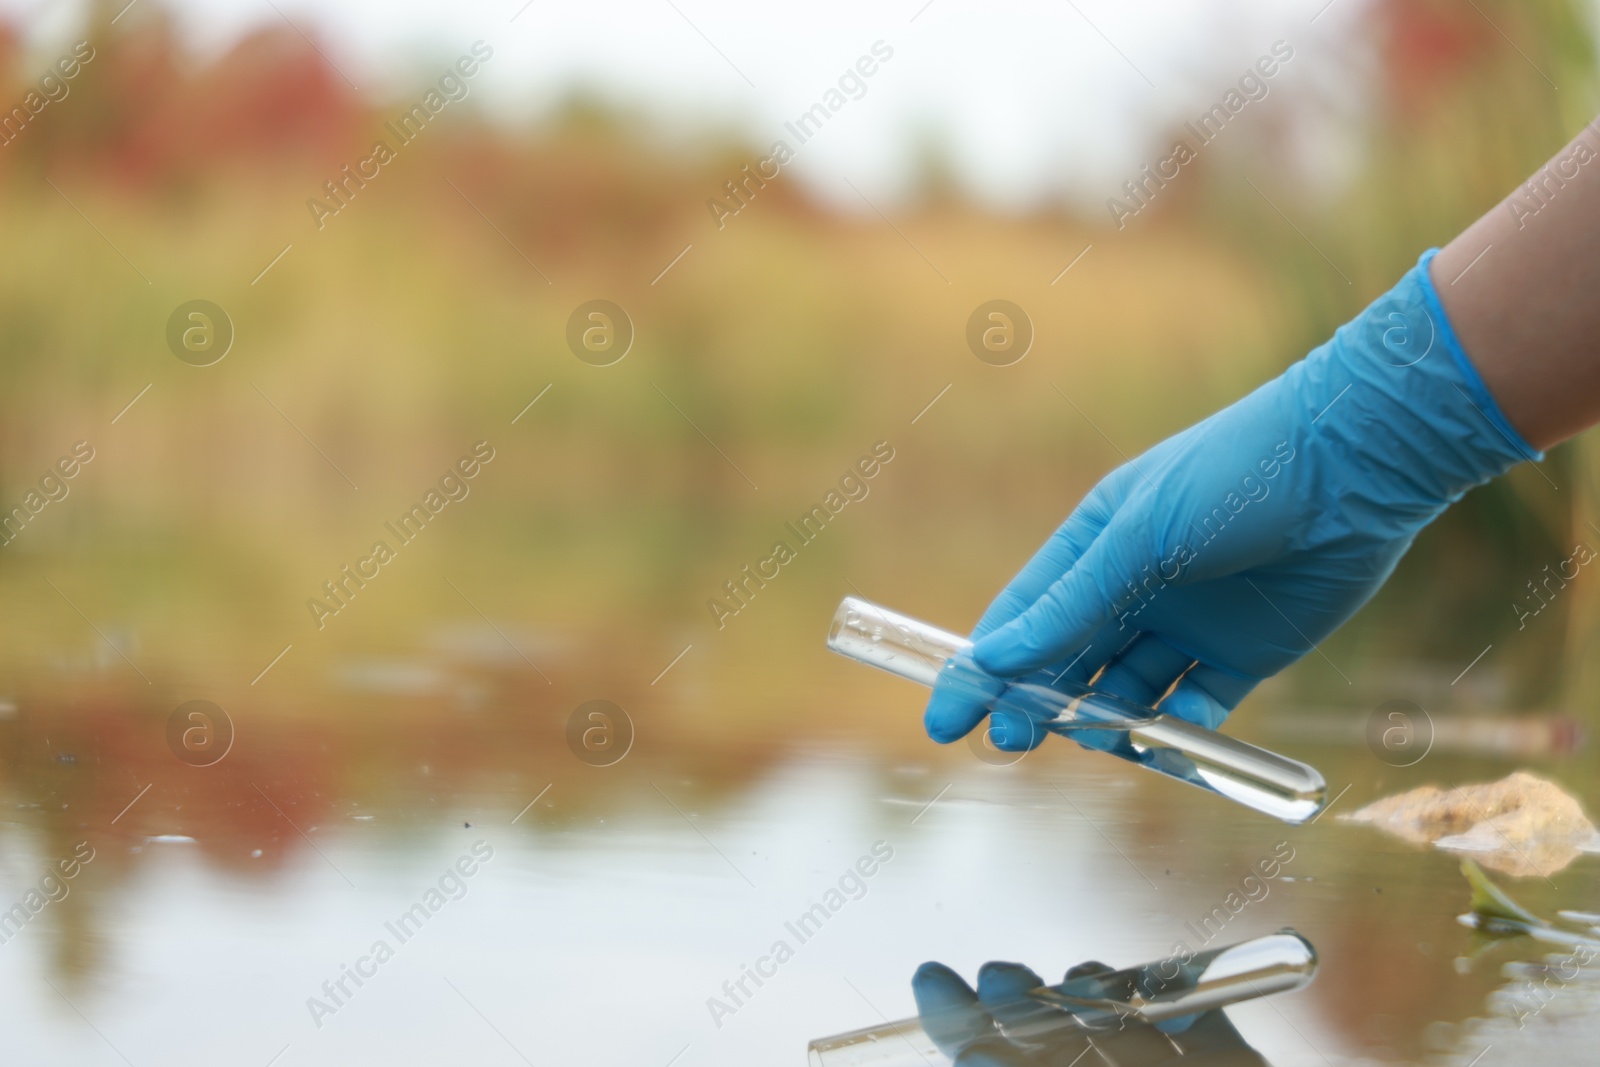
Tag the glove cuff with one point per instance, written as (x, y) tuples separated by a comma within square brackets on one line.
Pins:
[(1394, 395), (1472, 381)]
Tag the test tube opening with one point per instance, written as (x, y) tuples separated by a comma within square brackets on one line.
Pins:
[(892, 642)]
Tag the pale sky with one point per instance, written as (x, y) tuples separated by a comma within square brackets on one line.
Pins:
[(1032, 100)]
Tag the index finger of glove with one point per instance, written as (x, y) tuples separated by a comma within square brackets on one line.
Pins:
[(1053, 559), (1070, 611), (953, 711), (948, 1009)]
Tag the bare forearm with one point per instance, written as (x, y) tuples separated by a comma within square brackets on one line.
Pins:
[(1522, 289)]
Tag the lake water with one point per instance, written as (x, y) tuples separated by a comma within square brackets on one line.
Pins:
[(575, 913)]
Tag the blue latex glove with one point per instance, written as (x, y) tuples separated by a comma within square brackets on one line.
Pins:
[(1227, 552)]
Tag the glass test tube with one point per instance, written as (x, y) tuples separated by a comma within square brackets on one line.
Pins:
[(1275, 785), (1155, 992)]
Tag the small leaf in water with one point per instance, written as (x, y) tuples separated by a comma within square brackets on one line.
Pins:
[(1490, 902)]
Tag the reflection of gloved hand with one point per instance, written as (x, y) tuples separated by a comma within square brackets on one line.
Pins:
[(1231, 549), (999, 1026)]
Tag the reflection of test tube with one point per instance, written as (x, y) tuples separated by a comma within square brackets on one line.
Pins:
[(1270, 783), (1156, 992)]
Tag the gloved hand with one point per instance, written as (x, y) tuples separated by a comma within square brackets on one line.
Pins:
[(1227, 552), (999, 1026)]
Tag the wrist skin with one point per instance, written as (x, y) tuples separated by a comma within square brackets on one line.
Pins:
[(1519, 288)]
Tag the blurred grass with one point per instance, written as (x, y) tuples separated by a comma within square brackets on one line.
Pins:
[(410, 328)]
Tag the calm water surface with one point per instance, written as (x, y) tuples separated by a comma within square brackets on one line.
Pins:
[(600, 922)]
